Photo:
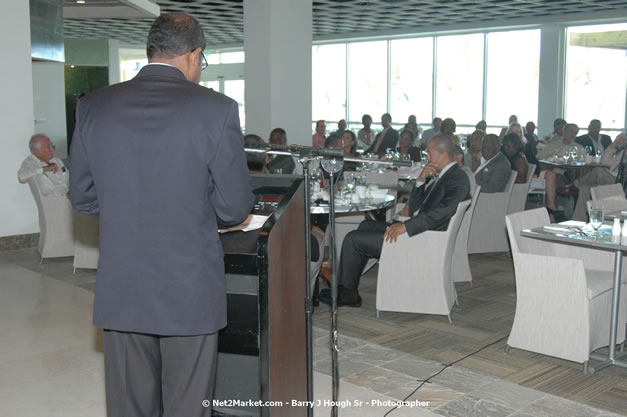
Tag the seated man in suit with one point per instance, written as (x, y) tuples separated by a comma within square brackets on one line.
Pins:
[(495, 170), (386, 139), (41, 164), (441, 186), (276, 164), (594, 141)]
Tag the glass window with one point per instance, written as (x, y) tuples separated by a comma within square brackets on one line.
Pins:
[(236, 57), (235, 90), (130, 67), (328, 82), (459, 87), (411, 79), (513, 76), (596, 75), (367, 79), (211, 84)]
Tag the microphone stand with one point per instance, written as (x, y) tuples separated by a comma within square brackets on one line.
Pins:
[(333, 165)]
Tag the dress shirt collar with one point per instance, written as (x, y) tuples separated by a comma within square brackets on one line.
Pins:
[(485, 162)]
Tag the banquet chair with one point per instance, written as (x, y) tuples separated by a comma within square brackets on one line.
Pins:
[(487, 228), (86, 248), (56, 236), (419, 284), (461, 267), (563, 294), (605, 191), (518, 199)]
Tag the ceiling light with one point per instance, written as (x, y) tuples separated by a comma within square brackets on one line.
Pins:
[(80, 1)]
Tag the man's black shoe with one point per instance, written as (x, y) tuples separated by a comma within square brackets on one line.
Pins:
[(346, 297)]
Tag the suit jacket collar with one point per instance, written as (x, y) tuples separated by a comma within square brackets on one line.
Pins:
[(161, 70)]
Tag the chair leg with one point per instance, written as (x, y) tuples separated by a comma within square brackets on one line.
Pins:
[(586, 368), (506, 349), (74, 271), (315, 297), (377, 314), (41, 260), (449, 319)]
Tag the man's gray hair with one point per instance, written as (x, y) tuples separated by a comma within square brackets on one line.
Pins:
[(174, 34), (35, 141), (444, 144)]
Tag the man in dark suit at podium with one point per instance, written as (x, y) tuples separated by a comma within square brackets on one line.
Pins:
[(441, 186), (160, 160)]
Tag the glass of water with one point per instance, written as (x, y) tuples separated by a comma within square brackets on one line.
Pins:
[(596, 218)]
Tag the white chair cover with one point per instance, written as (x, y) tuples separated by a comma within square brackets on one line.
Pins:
[(563, 293), (487, 228), (605, 191), (519, 194), (461, 267), (56, 235), (415, 273)]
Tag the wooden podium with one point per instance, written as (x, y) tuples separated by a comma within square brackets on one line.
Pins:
[(262, 351)]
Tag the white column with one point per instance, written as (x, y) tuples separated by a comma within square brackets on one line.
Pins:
[(18, 212), (114, 62), (552, 76), (49, 103), (277, 42)]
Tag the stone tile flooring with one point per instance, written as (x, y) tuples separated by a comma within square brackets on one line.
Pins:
[(52, 363)]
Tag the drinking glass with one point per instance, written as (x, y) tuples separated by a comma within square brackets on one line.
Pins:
[(573, 153), (596, 218)]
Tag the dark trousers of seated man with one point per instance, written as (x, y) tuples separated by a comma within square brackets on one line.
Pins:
[(358, 246)]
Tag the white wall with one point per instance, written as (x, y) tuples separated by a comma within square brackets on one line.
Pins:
[(18, 213), (49, 103)]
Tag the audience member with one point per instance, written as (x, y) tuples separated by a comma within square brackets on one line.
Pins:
[(48, 171), (448, 128), (341, 127), (366, 135), (441, 186), (472, 158), (482, 125), (279, 164), (255, 161), (594, 141), (406, 146), (429, 133), (333, 142), (512, 119), (459, 156), (386, 139), (252, 140), (412, 125), (349, 144), (514, 150), (612, 157), (495, 170), (317, 140), (558, 127), (558, 147), (531, 148)]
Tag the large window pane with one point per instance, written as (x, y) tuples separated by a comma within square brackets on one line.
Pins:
[(411, 79), (460, 78), (235, 90), (328, 82), (367, 79), (513, 68), (596, 80)]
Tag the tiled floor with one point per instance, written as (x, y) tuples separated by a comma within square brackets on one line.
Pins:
[(51, 356)]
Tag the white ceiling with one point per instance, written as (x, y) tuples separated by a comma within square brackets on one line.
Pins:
[(223, 20)]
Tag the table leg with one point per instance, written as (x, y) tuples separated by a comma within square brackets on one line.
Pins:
[(611, 357)]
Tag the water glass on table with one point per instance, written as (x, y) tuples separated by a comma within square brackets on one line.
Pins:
[(596, 218)]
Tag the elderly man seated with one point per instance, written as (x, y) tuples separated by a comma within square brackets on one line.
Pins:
[(472, 157), (495, 169), (612, 157), (441, 186), (41, 165), (559, 147)]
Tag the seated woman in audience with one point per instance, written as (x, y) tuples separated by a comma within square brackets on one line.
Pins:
[(406, 145), (515, 152), (349, 141), (366, 135)]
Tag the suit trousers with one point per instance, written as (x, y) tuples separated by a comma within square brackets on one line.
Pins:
[(358, 246), (159, 376)]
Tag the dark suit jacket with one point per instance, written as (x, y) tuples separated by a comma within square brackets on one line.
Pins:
[(161, 161), (585, 140), (389, 141), (413, 152), (494, 176), (437, 206), (284, 162)]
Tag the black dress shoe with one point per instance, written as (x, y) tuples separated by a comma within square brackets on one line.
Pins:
[(346, 297)]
